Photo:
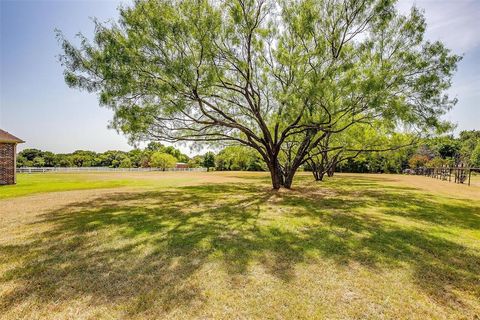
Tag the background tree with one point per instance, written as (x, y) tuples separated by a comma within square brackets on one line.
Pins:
[(195, 162), (49, 159), (162, 160), (38, 162), (238, 158), (22, 161), (82, 158), (30, 154), (209, 160), (436, 162), (63, 160), (111, 159), (469, 141), (429, 149), (157, 146), (275, 76), (350, 144), (125, 163), (135, 157), (475, 157), (417, 161)]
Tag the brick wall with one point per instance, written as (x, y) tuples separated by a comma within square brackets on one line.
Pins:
[(7, 163)]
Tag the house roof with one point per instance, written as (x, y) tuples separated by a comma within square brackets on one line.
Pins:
[(9, 138)]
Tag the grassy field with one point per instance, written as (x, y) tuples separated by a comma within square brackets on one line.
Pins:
[(223, 245)]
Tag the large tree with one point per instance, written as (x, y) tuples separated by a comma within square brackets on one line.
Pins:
[(277, 76)]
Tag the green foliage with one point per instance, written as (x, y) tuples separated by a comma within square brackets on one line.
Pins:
[(475, 157), (126, 163), (63, 160), (162, 160), (30, 154), (195, 162), (135, 157), (470, 140), (38, 162), (238, 158), (277, 76), (49, 159), (81, 158), (156, 146), (373, 148), (442, 150), (112, 158), (209, 160), (22, 161), (436, 162), (445, 150)]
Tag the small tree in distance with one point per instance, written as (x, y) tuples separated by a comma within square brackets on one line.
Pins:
[(475, 158), (162, 160), (126, 163), (209, 160), (417, 161)]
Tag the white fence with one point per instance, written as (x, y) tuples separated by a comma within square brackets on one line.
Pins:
[(100, 169)]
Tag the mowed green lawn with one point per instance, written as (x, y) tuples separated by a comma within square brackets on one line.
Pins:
[(28, 184), (225, 246)]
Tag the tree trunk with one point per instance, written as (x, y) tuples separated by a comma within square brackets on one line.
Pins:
[(279, 177), (288, 181), (289, 177), (276, 174), (331, 170), (318, 170)]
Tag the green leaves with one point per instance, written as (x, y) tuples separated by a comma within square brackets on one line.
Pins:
[(275, 76)]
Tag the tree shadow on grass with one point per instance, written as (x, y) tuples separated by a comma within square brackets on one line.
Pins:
[(133, 248)]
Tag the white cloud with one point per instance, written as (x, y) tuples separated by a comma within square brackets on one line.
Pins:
[(455, 22)]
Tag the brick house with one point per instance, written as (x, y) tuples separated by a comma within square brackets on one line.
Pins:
[(8, 157), (181, 165)]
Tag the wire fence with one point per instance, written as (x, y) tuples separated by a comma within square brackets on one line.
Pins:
[(103, 169)]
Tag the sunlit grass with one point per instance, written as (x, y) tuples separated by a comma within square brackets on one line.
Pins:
[(34, 183), (351, 247)]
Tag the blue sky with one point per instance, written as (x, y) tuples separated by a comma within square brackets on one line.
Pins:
[(36, 105)]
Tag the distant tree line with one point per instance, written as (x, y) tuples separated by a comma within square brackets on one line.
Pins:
[(154, 155), (428, 152), (369, 153)]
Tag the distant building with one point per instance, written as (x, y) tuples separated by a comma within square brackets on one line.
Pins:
[(8, 157), (181, 165)]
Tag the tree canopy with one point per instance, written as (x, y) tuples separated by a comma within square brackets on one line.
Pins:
[(209, 160), (83, 158), (162, 160), (276, 76), (238, 158)]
